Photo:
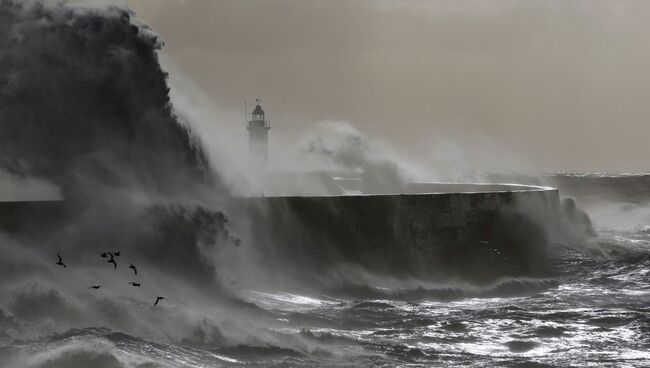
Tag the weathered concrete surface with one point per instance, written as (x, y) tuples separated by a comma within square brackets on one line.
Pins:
[(28, 205), (30, 217), (476, 232)]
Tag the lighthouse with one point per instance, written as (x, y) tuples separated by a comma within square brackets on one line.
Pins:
[(258, 139)]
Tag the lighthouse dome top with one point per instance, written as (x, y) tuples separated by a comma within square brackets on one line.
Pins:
[(258, 110)]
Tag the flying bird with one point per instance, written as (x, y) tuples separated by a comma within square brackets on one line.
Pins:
[(112, 260), (131, 266), (95, 287), (116, 254), (104, 254), (134, 284), (159, 298), (60, 262)]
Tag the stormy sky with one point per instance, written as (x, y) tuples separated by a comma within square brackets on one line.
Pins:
[(561, 85)]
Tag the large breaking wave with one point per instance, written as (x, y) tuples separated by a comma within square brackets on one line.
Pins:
[(84, 104)]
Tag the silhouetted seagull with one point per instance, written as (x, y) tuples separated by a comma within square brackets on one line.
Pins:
[(133, 268), (60, 262), (159, 298), (95, 287), (116, 254), (112, 261), (134, 284), (104, 254)]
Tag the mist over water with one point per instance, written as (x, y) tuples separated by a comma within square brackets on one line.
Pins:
[(86, 114)]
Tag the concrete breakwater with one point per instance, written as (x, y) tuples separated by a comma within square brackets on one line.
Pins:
[(474, 231), (28, 217)]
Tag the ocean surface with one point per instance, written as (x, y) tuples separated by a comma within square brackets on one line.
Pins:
[(593, 310)]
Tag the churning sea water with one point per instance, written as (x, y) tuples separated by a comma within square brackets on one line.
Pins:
[(594, 310)]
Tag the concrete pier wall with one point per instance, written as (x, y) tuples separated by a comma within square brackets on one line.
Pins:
[(30, 217), (473, 231)]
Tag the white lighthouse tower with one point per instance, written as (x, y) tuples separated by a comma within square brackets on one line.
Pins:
[(258, 139)]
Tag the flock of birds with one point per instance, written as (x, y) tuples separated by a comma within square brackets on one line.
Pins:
[(112, 256)]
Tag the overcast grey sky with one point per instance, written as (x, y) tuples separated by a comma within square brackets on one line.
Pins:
[(565, 85)]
